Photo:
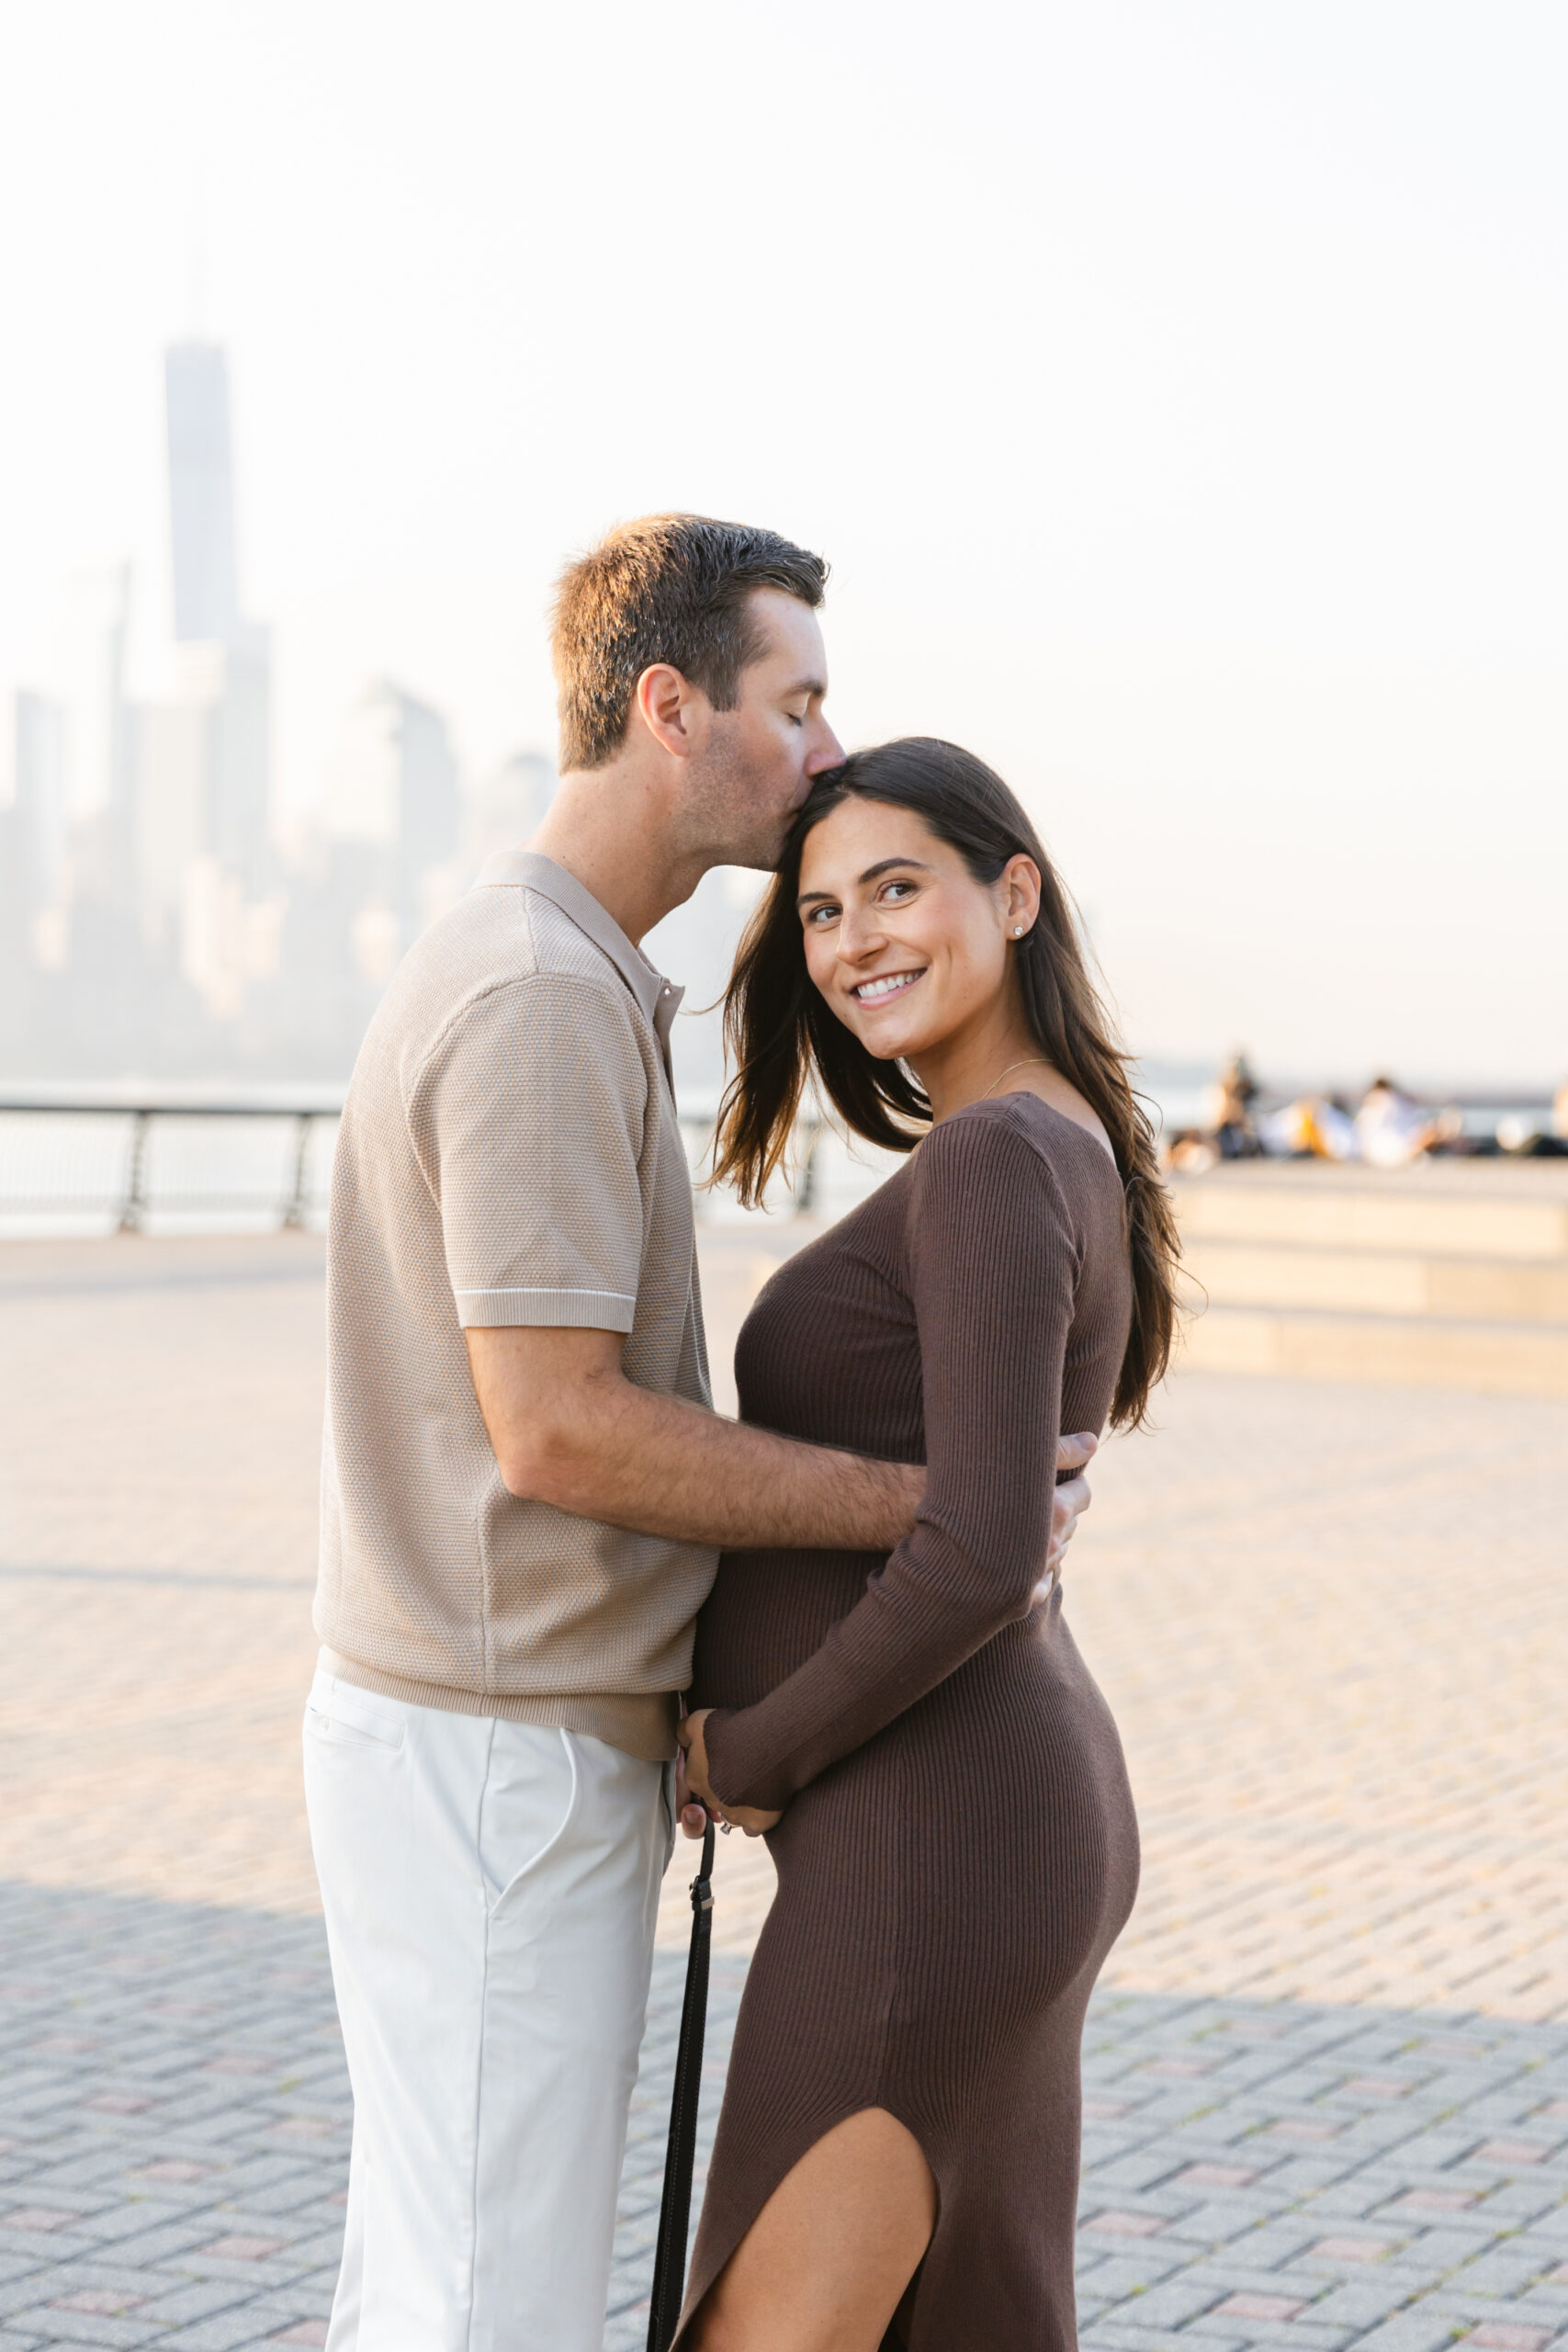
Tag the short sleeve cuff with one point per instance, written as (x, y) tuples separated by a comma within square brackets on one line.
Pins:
[(575, 1310)]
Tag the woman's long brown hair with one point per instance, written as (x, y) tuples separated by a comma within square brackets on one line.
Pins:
[(782, 1037)]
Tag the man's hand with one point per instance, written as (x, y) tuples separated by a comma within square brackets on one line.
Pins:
[(691, 1782), (1072, 1499), (692, 1816)]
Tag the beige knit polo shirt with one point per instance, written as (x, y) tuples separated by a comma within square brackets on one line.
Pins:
[(509, 1154)]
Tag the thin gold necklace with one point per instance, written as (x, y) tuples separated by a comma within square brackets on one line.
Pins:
[(1038, 1059), (1044, 1061)]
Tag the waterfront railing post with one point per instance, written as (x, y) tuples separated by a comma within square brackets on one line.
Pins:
[(805, 1185), (294, 1207), (134, 1205)]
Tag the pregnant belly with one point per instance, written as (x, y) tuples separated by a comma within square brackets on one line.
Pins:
[(766, 1614)]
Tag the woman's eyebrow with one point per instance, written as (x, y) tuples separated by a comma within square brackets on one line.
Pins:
[(871, 874)]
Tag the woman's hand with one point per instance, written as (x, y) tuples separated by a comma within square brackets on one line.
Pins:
[(691, 1782)]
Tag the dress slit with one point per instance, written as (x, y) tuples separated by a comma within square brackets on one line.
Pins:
[(714, 2261)]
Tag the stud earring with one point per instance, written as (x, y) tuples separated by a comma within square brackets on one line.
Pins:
[(1018, 931)]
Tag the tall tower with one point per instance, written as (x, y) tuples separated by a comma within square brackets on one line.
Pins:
[(201, 494), (205, 751), (391, 808)]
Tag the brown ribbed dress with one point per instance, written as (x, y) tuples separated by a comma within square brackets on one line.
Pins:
[(959, 1850)]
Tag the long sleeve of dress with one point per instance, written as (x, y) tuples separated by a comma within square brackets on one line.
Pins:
[(993, 1267)]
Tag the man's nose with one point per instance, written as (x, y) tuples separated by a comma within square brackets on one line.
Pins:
[(826, 752)]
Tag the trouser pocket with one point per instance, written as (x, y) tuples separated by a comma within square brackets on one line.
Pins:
[(533, 1787), (339, 1716)]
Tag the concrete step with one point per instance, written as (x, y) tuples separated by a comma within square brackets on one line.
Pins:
[(1376, 1282), (1355, 1215), (1507, 1359)]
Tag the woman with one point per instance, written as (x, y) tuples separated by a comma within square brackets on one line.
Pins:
[(940, 1781)]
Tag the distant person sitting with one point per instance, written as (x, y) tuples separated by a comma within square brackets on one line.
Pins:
[(1225, 1130), (1518, 1136), (1393, 1128), (1313, 1127), (1227, 1111), (1555, 1145)]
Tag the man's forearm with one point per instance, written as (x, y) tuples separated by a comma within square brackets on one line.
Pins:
[(663, 1468)]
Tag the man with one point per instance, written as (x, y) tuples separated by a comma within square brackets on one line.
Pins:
[(524, 1486)]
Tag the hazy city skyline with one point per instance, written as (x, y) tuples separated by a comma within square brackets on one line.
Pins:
[(1178, 399), (162, 913), (165, 915)]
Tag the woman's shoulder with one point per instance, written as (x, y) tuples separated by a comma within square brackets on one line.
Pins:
[(1017, 1139), (1036, 1187)]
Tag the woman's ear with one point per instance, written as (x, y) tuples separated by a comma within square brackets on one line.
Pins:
[(1021, 900)]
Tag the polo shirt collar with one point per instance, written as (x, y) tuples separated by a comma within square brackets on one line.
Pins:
[(527, 869)]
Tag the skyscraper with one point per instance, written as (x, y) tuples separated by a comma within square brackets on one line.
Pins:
[(206, 752), (43, 820), (96, 741), (391, 802), (201, 494), (90, 665)]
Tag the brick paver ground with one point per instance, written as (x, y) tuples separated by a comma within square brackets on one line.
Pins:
[(1329, 2071)]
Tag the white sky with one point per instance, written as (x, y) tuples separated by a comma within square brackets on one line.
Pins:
[(1180, 390)]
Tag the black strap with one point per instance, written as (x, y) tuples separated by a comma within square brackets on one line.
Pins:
[(676, 2208)]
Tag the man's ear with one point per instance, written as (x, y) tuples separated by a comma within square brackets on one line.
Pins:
[(674, 711)]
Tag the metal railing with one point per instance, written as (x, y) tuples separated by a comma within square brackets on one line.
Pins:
[(102, 1164), (119, 1164)]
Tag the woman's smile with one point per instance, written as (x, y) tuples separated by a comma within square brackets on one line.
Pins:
[(886, 985)]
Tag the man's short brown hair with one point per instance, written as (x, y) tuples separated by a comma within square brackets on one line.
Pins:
[(669, 588)]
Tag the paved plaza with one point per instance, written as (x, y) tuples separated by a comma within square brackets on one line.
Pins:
[(1328, 2071)]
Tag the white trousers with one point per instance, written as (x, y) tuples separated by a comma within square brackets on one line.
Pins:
[(491, 1890)]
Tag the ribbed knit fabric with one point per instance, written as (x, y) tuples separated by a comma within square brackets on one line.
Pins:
[(959, 1849)]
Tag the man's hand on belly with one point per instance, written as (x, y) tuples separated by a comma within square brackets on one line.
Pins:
[(1072, 1499)]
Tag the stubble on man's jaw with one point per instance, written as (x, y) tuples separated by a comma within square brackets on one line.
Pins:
[(727, 827)]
